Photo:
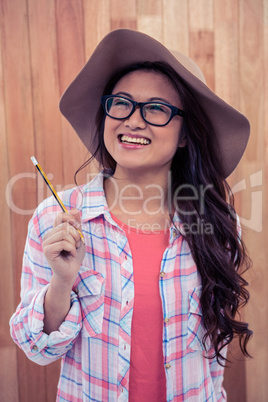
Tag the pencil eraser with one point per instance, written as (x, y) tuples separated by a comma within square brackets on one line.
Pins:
[(34, 160)]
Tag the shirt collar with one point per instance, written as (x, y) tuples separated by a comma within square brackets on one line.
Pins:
[(94, 201), (94, 204)]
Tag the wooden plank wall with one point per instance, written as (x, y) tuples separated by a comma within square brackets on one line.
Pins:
[(43, 44)]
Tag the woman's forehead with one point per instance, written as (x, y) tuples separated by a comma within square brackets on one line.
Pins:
[(147, 83)]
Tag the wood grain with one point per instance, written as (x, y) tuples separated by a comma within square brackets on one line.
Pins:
[(97, 22), (45, 86), (175, 25), (127, 17), (20, 136), (226, 51), (252, 76), (43, 45), (8, 369), (9, 382), (201, 16), (149, 18), (71, 58)]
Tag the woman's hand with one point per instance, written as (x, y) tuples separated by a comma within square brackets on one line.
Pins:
[(63, 247), (64, 252)]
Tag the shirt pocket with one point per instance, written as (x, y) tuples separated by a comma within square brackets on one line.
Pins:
[(196, 330), (90, 292)]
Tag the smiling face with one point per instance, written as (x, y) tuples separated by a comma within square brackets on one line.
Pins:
[(134, 144)]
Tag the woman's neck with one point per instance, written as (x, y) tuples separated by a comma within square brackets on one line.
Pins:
[(139, 198)]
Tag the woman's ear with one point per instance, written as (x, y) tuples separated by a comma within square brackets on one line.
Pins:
[(182, 142)]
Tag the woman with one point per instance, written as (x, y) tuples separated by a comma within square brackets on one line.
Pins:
[(145, 310)]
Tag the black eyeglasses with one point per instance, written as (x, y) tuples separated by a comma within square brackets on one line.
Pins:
[(154, 113)]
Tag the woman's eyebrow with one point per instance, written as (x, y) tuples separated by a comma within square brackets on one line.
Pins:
[(153, 99), (157, 99), (127, 95)]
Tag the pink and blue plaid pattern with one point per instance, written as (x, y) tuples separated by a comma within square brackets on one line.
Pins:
[(94, 340)]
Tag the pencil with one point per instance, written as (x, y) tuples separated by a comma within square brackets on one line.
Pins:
[(40, 170)]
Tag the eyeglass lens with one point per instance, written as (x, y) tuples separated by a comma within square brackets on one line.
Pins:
[(152, 112)]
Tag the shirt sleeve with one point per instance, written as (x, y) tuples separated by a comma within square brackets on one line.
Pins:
[(26, 324), (217, 375)]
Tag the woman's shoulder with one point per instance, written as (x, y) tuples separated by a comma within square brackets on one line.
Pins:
[(71, 197), (74, 197), (45, 214)]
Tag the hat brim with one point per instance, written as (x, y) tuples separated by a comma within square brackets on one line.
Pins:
[(123, 47)]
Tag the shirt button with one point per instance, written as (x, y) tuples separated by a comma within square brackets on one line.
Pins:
[(162, 273), (166, 320), (35, 348), (174, 233), (125, 257), (168, 366)]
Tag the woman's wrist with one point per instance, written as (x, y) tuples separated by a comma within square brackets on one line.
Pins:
[(57, 304), (62, 285)]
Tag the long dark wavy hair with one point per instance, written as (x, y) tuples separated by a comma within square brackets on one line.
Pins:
[(219, 253)]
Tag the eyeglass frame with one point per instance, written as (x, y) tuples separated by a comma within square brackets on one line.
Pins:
[(175, 111)]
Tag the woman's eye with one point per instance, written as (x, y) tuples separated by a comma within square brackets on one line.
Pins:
[(121, 102), (156, 108)]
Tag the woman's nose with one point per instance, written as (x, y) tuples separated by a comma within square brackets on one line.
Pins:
[(135, 120)]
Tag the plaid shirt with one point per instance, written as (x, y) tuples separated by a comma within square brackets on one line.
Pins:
[(94, 340)]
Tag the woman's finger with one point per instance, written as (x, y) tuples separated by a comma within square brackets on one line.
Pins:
[(73, 218), (64, 231), (53, 250), (76, 214), (64, 217)]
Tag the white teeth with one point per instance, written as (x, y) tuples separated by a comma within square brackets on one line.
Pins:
[(126, 138)]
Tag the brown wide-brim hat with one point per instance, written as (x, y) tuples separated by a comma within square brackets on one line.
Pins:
[(120, 49)]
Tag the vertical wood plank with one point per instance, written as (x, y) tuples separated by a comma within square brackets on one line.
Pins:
[(32, 380), (52, 375), (70, 40), (227, 72), (265, 203), (123, 14), (175, 25), (226, 34), (252, 83), (6, 283), (235, 374), (8, 357), (149, 18), (71, 58), (265, 69), (201, 15), (19, 122), (201, 46), (202, 52), (97, 23), (252, 74), (8, 380), (45, 82), (20, 135), (19, 129)]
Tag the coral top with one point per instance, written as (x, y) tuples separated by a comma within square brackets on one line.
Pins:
[(147, 373)]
